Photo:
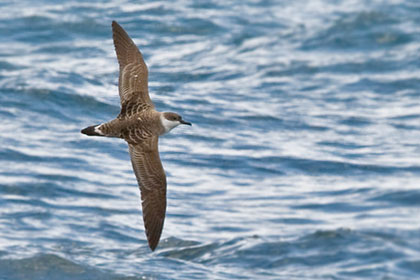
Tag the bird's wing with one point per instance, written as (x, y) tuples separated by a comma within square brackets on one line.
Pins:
[(152, 182), (133, 79)]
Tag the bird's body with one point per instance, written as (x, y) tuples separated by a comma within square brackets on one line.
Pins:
[(140, 125), (135, 128)]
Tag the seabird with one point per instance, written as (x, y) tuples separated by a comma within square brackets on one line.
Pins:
[(140, 125)]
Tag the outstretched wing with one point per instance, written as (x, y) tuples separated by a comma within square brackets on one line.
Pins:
[(152, 182), (133, 79)]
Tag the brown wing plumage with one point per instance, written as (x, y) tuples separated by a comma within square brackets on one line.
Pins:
[(152, 181), (133, 79)]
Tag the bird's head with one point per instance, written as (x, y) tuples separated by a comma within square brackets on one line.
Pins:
[(171, 120)]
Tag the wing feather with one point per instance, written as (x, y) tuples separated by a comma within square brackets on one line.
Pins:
[(133, 78), (152, 182)]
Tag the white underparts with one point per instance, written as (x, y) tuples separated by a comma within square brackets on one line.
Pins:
[(167, 124)]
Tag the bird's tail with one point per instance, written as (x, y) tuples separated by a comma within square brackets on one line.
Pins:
[(92, 130)]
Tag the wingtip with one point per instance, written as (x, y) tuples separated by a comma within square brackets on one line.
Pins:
[(153, 242), (153, 248), (153, 237), (114, 25)]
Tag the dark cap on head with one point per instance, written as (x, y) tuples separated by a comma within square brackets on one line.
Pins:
[(175, 117)]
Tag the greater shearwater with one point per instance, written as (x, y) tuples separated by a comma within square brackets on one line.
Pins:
[(140, 125)]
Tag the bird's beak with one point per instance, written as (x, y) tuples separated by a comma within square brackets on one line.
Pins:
[(184, 122)]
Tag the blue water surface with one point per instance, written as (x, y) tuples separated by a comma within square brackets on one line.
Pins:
[(303, 161)]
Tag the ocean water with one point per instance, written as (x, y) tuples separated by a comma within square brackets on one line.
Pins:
[(303, 161)]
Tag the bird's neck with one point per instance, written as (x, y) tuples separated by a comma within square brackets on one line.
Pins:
[(167, 125)]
